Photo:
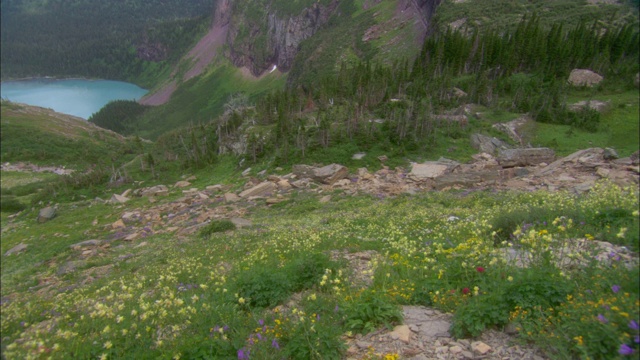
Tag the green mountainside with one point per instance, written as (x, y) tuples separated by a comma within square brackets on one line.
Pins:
[(130, 40)]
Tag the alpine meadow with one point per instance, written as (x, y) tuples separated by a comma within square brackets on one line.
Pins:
[(328, 179)]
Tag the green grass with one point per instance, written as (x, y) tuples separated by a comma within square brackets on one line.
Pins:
[(501, 14), (182, 288), (43, 137), (619, 127), (201, 99)]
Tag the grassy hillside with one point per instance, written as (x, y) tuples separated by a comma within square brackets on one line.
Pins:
[(502, 14), (281, 289), (202, 99), (42, 136)]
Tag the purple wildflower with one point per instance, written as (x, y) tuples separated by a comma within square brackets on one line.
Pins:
[(602, 319), (636, 339), (242, 355), (225, 328), (615, 288), (625, 350), (261, 322), (275, 344), (336, 309), (633, 325)]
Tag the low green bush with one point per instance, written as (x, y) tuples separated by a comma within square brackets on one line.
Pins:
[(9, 204), (216, 226), (369, 310)]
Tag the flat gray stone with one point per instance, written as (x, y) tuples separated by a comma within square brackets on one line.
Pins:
[(16, 249)]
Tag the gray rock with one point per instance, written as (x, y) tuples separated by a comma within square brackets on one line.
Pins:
[(584, 77), (157, 190), (486, 144), (231, 197), (610, 154), (303, 171), (93, 242), (330, 174), (118, 199), (47, 214), (261, 189), (358, 156), (429, 170), (525, 157), (214, 188), (16, 249), (181, 184), (70, 266)]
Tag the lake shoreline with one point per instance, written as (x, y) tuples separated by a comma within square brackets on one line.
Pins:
[(80, 97)]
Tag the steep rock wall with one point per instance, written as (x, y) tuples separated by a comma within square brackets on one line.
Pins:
[(273, 39)]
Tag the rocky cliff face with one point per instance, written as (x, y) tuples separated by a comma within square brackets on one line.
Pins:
[(275, 39)]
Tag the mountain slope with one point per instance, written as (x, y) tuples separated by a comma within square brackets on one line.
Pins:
[(42, 136)]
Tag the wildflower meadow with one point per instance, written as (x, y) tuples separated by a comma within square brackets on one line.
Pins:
[(535, 261)]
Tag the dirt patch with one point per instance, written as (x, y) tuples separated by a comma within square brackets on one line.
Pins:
[(205, 50), (159, 97)]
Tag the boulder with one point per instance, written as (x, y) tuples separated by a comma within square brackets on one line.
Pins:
[(16, 249), (486, 144), (584, 77), (47, 214), (610, 154), (330, 174), (585, 156), (261, 189), (284, 185), (525, 157), (70, 266), (154, 191), (402, 333), (214, 188), (130, 217), (231, 197), (303, 171), (182, 183), (513, 128), (85, 243), (429, 170), (118, 199)]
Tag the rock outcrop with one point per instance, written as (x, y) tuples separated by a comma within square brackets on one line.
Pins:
[(260, 46), (525, 157), (584, 77)]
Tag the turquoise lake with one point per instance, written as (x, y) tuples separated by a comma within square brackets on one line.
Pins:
[(78, 97)]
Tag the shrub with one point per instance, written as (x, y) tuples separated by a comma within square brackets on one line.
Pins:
[(305, 272), (370, 310), (216, 226), (10, 204), (264, 286)]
